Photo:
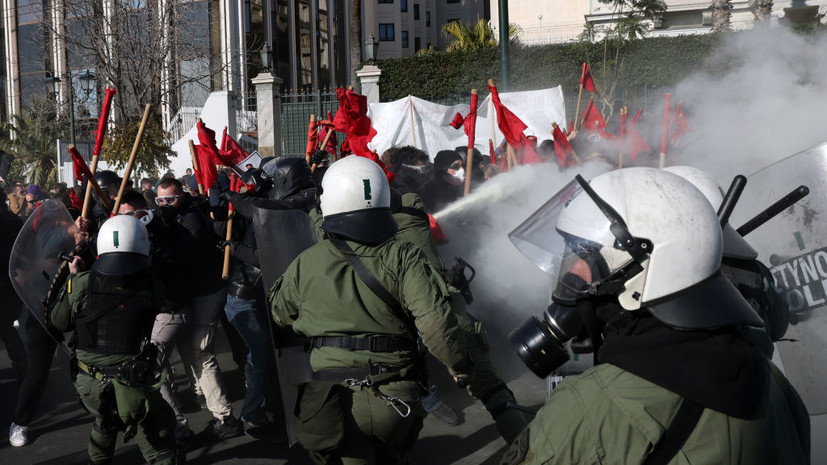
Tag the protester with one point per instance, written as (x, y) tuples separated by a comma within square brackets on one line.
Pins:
[(447, 183), (17, 199), (197, 296), (412, 167), (639, 258), (10, 225), (112, 308), (363, 297)]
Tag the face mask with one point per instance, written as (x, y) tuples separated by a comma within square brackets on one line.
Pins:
[(168, 213), (458, 177), (418, 168)]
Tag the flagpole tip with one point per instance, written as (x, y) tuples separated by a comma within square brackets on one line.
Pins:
[(491, 83)]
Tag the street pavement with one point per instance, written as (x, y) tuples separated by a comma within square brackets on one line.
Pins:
[(61, 428)]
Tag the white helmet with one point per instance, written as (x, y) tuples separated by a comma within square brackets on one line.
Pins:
[(735, 246), (123, 246), (355, 201), (647, 236)]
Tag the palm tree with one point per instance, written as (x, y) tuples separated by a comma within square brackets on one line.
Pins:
[(721, 12), (35, 131), (478, 36)]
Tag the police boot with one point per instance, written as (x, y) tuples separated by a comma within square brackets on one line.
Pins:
[(510, 418)]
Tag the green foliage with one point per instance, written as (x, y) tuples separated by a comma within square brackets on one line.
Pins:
[(649, 63), (153, 153), (480, 35), (35, 131)]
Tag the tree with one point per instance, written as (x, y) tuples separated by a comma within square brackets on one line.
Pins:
[(633, 20), (479, 35), (35, 131), (153, 152), (721, 12), (355, 38)]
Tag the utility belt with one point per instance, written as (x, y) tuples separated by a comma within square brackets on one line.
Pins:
[(140, 369), (379, 372), (378, 344)]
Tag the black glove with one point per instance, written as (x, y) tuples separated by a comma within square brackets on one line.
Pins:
[(318, 157), (223, 244), (231, 196)]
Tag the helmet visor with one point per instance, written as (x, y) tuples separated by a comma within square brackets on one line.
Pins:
[(534, 237), (585, 266)]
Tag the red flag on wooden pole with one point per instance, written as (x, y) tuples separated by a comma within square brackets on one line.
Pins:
[(664, 130), (586, 79)]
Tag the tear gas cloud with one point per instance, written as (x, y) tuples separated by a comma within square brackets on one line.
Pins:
[(769, 105)]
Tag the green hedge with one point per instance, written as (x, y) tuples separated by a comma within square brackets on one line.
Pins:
[(650, 63)]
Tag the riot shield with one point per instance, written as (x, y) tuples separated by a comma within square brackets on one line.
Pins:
[(793, 244), (34, 262), (281, 235)]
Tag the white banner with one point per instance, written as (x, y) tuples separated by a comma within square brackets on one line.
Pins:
[(426, 125)]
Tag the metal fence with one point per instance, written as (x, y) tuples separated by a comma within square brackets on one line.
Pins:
[(296, 109)]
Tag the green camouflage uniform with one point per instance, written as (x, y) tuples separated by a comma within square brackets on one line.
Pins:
[(141, 411), (320, 294), (486, 385)]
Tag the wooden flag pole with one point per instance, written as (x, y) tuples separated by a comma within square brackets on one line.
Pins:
[(195, 167), (469, 163), (664, 130), (88, 195), (512, 157), (622, 130), (310, 127), (579, 95), (413, 122), (132, 157), (225, 271)]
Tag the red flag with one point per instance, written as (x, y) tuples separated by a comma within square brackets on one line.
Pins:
[(592, 119), (76, 202), (206, 165), (680, 124), (664, 124), (635, 142), (491, 152), (565, 154), (570, 127), (79, 165), (352, 119), (206, 137), (530, 155), (469, 123), (312, 139), (586, 79), (103, 121), (636, 118), (436, 230), (230, 154), (511, 126), (332, 143), (457, 121)]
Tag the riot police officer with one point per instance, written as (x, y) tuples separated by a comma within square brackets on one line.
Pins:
[(638, 256), (362, 296), (112, 309)]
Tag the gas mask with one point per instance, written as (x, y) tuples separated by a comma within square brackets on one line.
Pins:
[(457, 177), (590, 276), (168, 213)]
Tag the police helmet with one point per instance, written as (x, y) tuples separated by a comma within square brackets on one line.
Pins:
[(257, 182), (289, 175), (123, 246), (355, 201)]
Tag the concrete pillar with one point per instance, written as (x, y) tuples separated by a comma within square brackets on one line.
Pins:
[(369, 80), (268, 112)]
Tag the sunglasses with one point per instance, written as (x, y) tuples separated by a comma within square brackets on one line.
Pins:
[(167, 200)]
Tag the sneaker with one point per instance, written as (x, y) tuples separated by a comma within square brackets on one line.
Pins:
[(266, 431), (230, 427), (18, 435)]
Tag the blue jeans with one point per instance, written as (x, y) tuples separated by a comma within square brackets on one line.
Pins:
[(250, 319)]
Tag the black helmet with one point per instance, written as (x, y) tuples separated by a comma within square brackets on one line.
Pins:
[(257, 182), (109, 181), (289, 175)]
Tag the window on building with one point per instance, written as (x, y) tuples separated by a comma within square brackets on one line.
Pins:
[(404, 39), (427, 19), (386, 32), (417, 43), (385, 1), (404, 4), (416, 11)]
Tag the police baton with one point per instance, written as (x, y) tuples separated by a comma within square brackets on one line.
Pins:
[(787, 201)]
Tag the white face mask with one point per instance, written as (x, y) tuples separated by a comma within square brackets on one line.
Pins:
[(459, 175), (418, 168)]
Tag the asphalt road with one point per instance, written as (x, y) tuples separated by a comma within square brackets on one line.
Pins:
[(61, 428)]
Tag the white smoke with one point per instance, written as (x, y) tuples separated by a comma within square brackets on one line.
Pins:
[(771, 103)]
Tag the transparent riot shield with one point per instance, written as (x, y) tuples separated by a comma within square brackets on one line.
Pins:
[(793, 245), (281, 235), (35, 264)]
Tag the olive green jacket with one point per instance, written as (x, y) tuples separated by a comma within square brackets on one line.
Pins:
[(610, 416), (320, 294), (417, 229)]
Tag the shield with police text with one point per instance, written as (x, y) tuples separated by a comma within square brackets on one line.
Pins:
[(37, 271), (281, 235), (793, 244)]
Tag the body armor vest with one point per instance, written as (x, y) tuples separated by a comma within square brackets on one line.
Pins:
[(119, 315)]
